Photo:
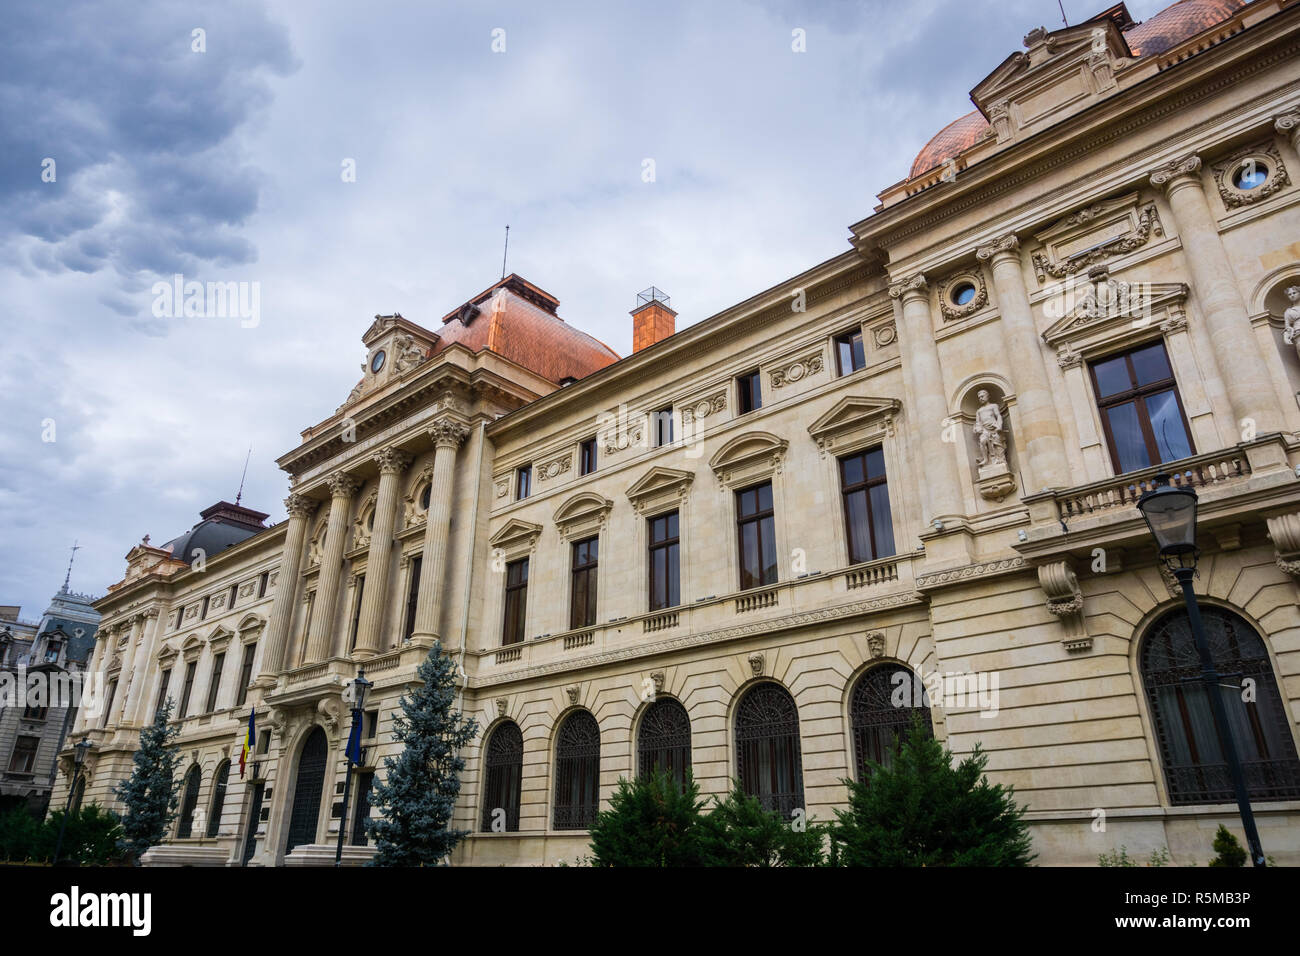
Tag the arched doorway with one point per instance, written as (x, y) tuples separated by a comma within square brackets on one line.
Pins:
[(1196, 770), (189, 801), (884, 702), (307, 790), (503, 776), (768, 758)]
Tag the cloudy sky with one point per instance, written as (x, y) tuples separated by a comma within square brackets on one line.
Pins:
[(227, 164)]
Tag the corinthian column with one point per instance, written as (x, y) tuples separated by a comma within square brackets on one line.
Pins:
[(392, 463), (941, 488), (320, 642), (1236, 349), (282, 607), (1042, 449), (126, 677), (143, 665), (447, 438)]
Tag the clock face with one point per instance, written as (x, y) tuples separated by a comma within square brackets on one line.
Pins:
[(377, 362)]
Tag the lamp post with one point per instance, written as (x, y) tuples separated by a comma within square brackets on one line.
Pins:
[(78, 758), (359, 686), (1170, 514)]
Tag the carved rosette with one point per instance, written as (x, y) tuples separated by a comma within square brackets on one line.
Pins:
[(560, 465), (1179, 170), (795, 371), (704, 407)]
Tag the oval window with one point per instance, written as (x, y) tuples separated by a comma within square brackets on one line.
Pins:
[(1250, 175), (963, 293), (377, 362), (424, 498)]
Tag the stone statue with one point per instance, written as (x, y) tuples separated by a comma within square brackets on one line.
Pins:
[(409, 354), (989, 433), (1291, 334)]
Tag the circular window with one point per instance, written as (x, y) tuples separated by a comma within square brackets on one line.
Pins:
[(377, 362), (963, 293), (1250, 174)]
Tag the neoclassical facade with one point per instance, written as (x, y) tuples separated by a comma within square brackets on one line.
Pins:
[(743, 547)]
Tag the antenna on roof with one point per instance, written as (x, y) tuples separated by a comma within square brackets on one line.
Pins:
[(1061, 4), (240, 493), (68, 577), (503, 253)]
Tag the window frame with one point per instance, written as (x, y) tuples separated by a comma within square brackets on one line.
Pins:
[(1137, 394), (588, 456), (758, 517), (21, 750), (214, 682), (518, 588), (658, 418), (847, 336), (587, 577), (246, 673), (749, 392), (864, 488), (523, 482), (671, 544), (187, 691)]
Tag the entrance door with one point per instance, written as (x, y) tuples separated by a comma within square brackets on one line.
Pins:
[(254, 818), (307, 791)]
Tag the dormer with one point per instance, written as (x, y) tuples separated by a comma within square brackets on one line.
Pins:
[(1060, 73), (394, 347)]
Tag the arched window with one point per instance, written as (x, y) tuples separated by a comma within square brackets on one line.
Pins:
[(577, 772), (1196, 770), (307, 790), (664, 741), (884, 701), (218, 797), (189, 801), (503, 773), (768, 759)]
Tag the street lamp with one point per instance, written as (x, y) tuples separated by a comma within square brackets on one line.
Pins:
[(358, 687), (1170, 514), (78, 758)]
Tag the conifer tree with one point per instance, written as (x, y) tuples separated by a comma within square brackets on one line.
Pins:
[(152, 793), (1228, 851), (651, 821), (922, 811), (419, 794)]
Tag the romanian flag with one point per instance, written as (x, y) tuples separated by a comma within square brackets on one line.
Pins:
[(250, 739)]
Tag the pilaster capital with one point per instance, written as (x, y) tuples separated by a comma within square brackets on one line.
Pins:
[(1288, 124), (392, 461), (299, 506), (448, 434), (911, 285), (1178, 171), (150, 614), (342, 485), (1008, 245)]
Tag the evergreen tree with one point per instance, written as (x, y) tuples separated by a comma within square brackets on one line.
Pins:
[(152, 793), (651, 821), (1228, 851), (419, 794), (739, 832), (93, 837), (923, 811)]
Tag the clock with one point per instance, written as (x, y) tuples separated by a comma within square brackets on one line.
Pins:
[(377, 362)]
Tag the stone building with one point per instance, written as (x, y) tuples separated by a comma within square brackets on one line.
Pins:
[(46, 660), (918, 458)]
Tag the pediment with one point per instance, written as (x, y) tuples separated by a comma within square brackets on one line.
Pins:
[(747, 448), (586, 504), (659, 483), (515, 533), (1103, 305), (852, 412)]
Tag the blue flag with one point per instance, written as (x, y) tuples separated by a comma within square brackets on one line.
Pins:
[(353, 752)]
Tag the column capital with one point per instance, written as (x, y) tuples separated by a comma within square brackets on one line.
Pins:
[(342, 485), (392, 461), (1008, 245), (1288, 124), (448, 434), (299, 506), (910, 285), (1178, 171)]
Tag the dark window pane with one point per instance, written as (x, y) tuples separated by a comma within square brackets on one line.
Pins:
[(749, 561), (767, 532), (1167, 426), (851, 470), (764, 497), (1152, 364), (1112, 376), (875, 463), (1126, 431), (882, 524), (855, 508)]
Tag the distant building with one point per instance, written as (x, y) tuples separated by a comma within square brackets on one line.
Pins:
[(32, 731)]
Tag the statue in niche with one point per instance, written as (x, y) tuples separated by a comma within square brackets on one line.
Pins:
[(990, 433), (1291, 334)]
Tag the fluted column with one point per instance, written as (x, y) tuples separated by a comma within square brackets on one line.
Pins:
[(96, 667), (1236, 349), (320, 642), (282, 607), (1042, 448), (143, 666), (941, 488), (374, 600), (126, 676), (447, 438)]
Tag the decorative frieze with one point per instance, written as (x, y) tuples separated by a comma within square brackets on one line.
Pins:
[(554, 467), (704, 407), (796, 370), (1094, 234)]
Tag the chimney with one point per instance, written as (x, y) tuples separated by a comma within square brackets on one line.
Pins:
[(652, 319)]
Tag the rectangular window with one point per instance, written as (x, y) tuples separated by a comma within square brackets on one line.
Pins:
[(849, 356), (1140, 409), (582, 589), (112, 696), (52, 651), (214, 687), (665, 562), (33, 712), (370, 725), (356, 611), (180, 614), (587, 457), (516, 601), (868, 524), (756, 533), (187, 689), (523, 482), (749, 394), (661, 426), (364, 783), (24, 756), (261, 584), (234, 593), (245, 674), (203, 614), (162, 692), (413, 596)]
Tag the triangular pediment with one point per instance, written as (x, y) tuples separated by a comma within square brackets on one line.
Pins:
[(1102, 303), (515, 531), (854, 411)]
